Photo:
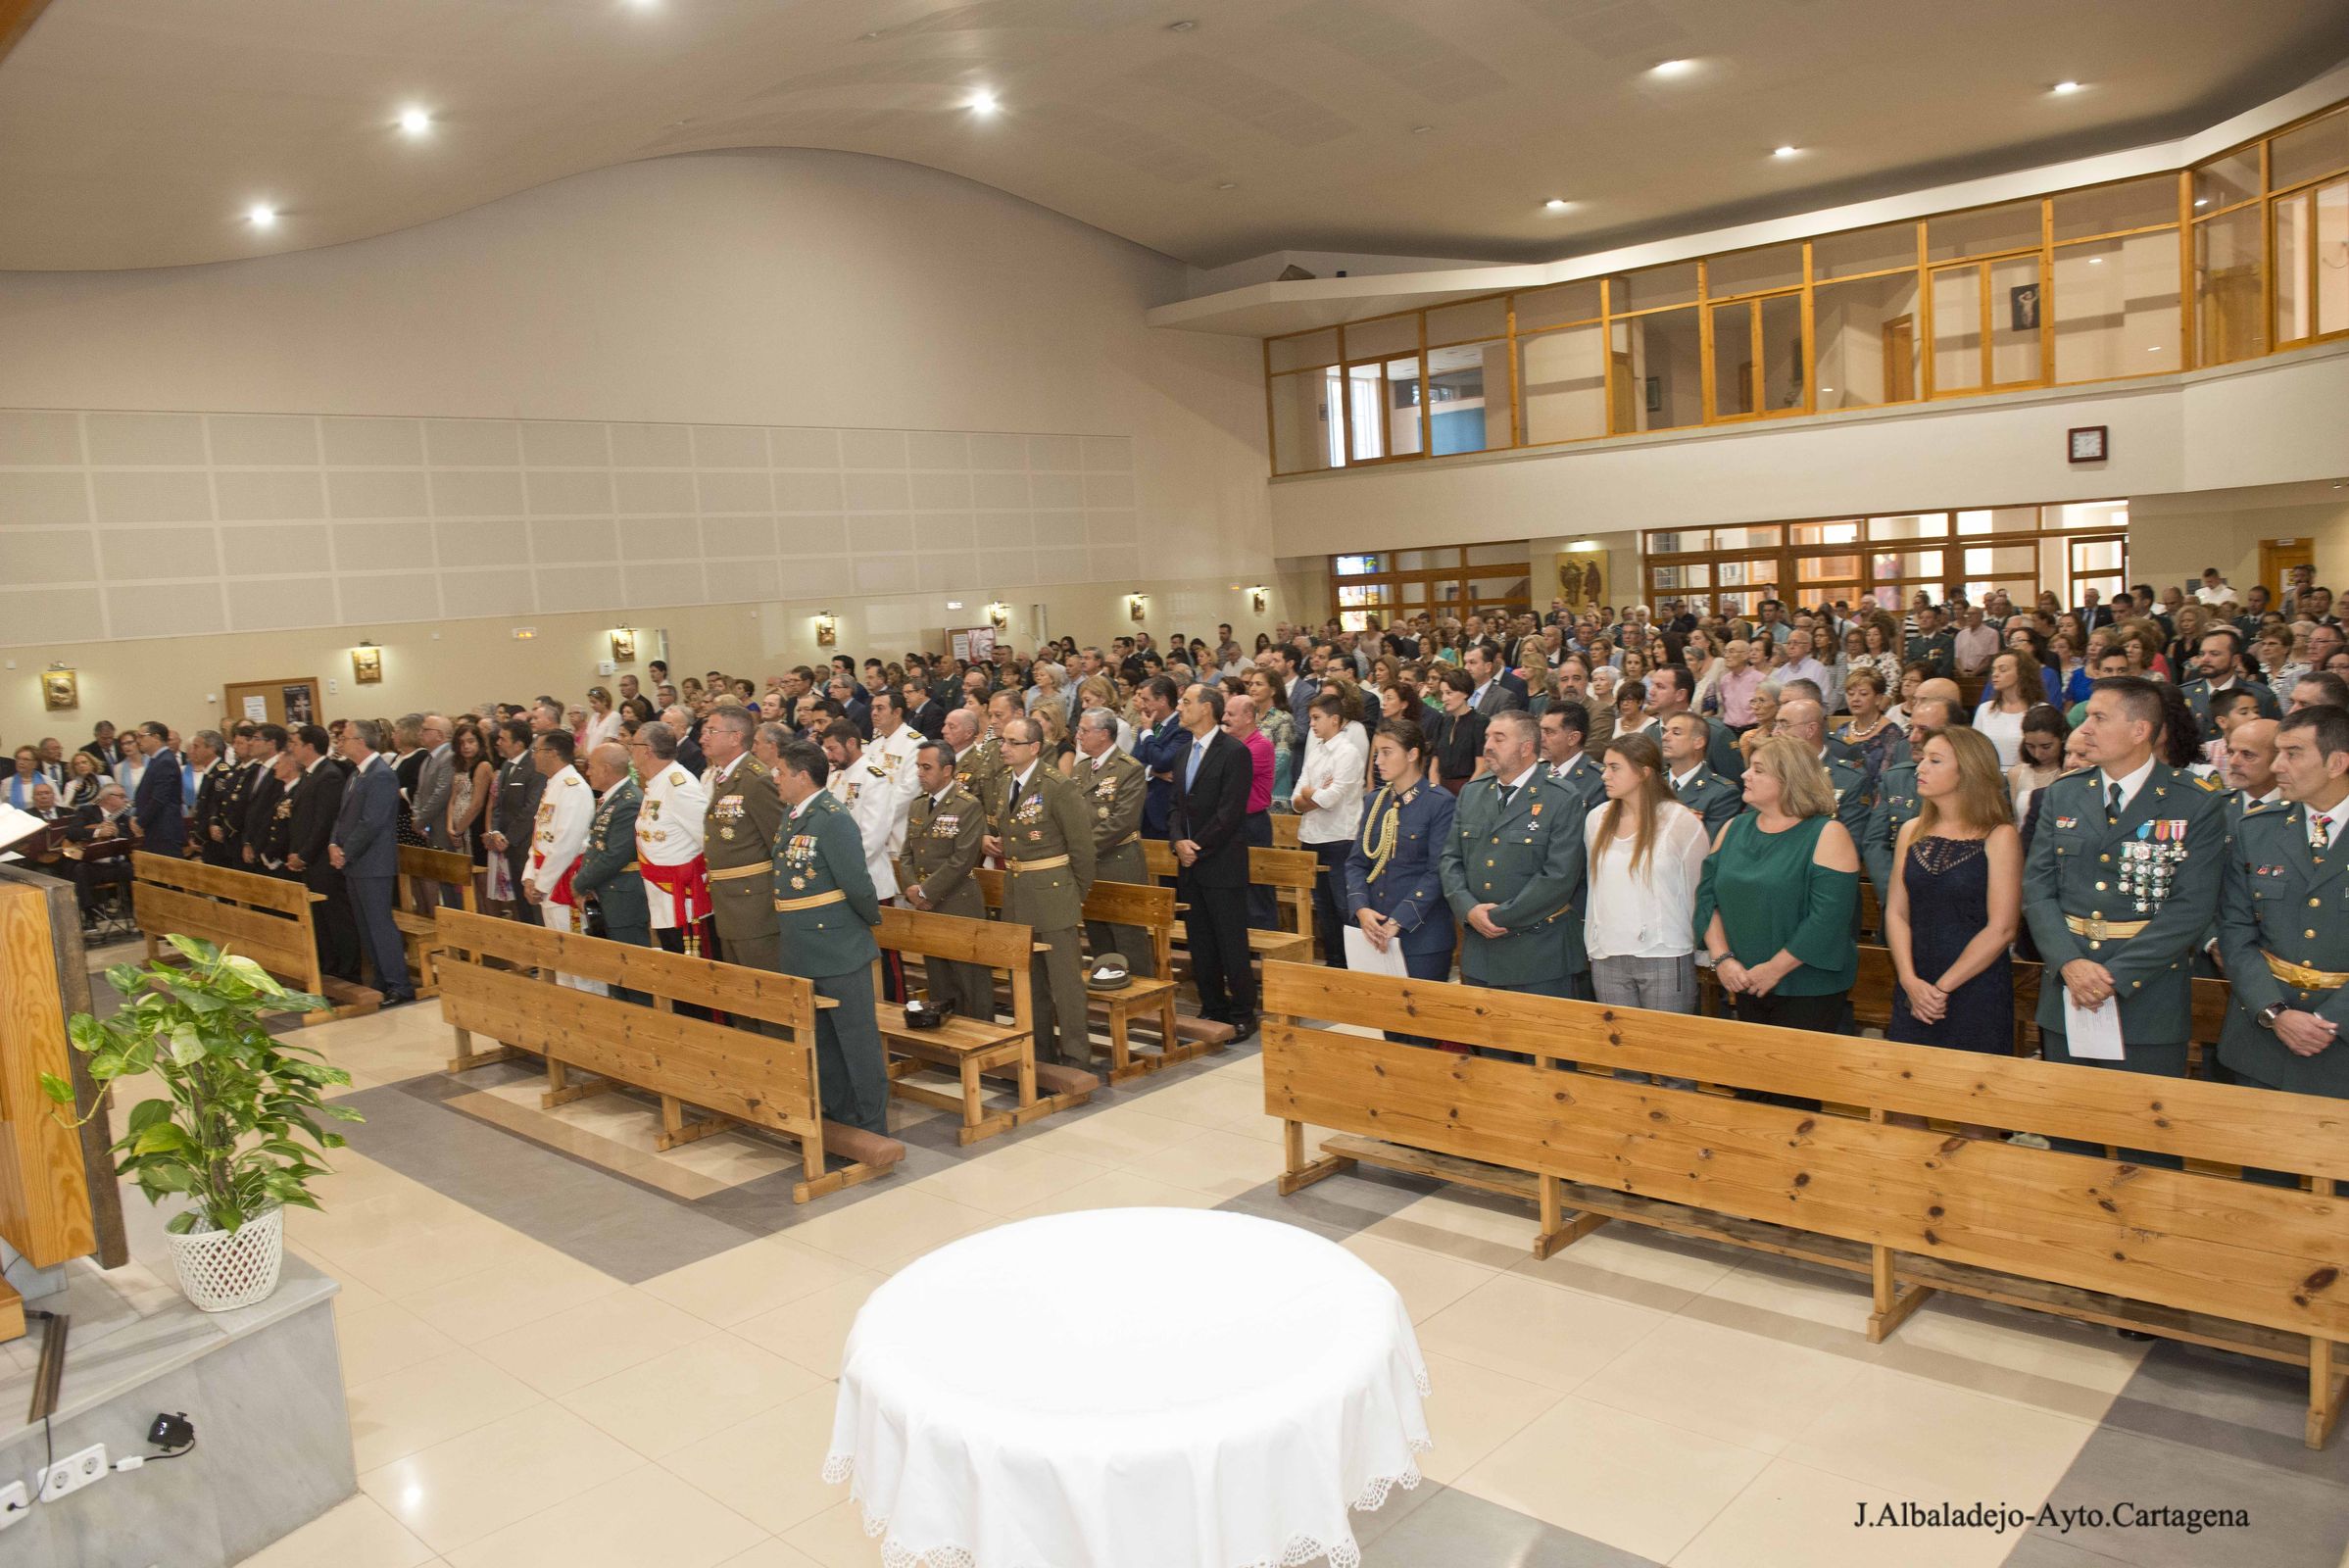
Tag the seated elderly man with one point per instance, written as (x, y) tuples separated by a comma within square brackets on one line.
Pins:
[(101, 843)]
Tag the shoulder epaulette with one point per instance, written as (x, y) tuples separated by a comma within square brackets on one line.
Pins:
[(2076, 772), (2256, 807), (2210, 786)]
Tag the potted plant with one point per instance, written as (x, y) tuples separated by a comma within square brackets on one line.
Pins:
[(243, 1104)]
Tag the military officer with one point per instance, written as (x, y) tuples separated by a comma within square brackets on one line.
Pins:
[(2287, 958), (1669, 691), (892, 748), (1806, 721), (1565, 731), (1394, 873), (212, 829), (1716, 799), (2219, 657), (557, 840), (1895, 803), (245, 749), (270, 825), (668, 841), (1045, 835), (976, 762), (1003, 707), (2122, 876), (944, 834), (609, 876), (864, 787), (1512, 866), (1114, 787), (738, 838), (825, 910)]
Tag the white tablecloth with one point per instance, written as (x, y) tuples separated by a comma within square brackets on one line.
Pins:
[(1128, 1388)]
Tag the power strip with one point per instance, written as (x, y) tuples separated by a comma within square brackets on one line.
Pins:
[(71, 1473)]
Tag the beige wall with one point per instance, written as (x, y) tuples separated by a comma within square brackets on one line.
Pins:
[(2172, 538)]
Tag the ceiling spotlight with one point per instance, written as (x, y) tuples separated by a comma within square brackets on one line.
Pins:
[(1421, 130), (1555, 204), (1782, 152), (1181, 26), (261, 216), (1229, 184), (2063, 88), (868, 37), (1672, 67), (2202, 201), (415, 121), (984, 102)]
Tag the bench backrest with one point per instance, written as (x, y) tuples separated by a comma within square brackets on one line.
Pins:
[(265, 918), (436, 866), (1151, 907), (2268, 1255)]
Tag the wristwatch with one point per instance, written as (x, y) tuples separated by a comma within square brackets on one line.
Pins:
[(2270, 1014)]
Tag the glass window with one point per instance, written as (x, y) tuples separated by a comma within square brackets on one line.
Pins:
[(1867, 337), (1999, 519), (1304, 351), (1365, 412), (2078, 514), (1464, 323), (2224, 182), (1390, 334), (2229, 318), (1658, 368), (2332, 257), (2112, 209), (1563, 378), (1984, 232), (1303, 414), (1355, 566), (1428, 560), (1362, 594), (1957, 329), (2016, 298), (1782, 354), (1753, 272), (2316, 148), (1732, 359), (1556, 306), (1908, 565), (2116, 307), (2001, 560), (1753, 536), (1461, 417), (1402, 407), (2312, 262), (1811, 570), (1652, 286), (2098, 554), (1682, 541), (1910, 525), (1828, 533), (2295, 237), (1864, 249)]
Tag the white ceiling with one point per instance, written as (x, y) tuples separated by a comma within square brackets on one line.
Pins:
[(137, 133)]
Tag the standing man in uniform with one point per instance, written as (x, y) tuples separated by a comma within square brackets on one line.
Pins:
[(738, 838), (945, 833), (668, 841), (975, 761), (892, 749), (266, 793), (2119, 884), (213, 837), (557, 841), (608, 876), (825, 910), (1896, 803), (513, 812), (1690, 778), (1805, 720), (1565, 724), (1512, 866), (1044, 834), (1113, 785)]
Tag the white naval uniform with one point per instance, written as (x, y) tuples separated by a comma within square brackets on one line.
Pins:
[(895, 754), (557, 841), (864, 787), (668, 832)]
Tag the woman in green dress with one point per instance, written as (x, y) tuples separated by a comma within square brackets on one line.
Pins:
[(1774, 905)]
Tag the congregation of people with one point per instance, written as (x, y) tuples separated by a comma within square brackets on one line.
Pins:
[(1581, 804)]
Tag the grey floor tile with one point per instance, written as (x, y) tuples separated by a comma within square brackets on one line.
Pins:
[(2038, 1549), (1453, 1529), (2295, 1521), (2230, 1405)]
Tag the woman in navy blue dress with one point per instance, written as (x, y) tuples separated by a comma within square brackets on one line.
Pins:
[(1393, 890)]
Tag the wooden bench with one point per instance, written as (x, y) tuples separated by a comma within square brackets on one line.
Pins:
[(264, 919), (419, 934), (1180, 1037), (497, 980), (1280, 869), (2183, 1254), (973, 1048)]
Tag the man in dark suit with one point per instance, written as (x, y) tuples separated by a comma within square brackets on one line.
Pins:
[(316, 798), (1206, 820), (1493, 693), (1158, 748), (922, 710), (690, 756), (366, 849), (514, 814), (159, 809)]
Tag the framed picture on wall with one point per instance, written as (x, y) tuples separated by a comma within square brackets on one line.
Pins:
[(2023, 307), (366, 667), (60, 689), (1656, 394), (624, 648)]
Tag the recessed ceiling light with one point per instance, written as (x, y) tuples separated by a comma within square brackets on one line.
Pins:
[(1229, 184), (1421, 130), (1672, 67), (1557, 203), (984, 102), (261, 216), (868, 37), (1782, 152), (2202, 201), (2063, 88), (2095, 261), (415, 121), (1181, 26)]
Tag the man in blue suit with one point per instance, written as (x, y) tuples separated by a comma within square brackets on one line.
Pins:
[(1160, 748), (160, 809), (366, 851)]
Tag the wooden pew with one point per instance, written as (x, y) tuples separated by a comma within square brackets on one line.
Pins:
[(2237, 1265), (1180, 1038), (1280, 869), (1297, 903), (419, 934), (1284, 829), (970, 1047), (264, 919), (739, 1078)]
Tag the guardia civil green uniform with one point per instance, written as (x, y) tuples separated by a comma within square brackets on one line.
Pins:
[(1854, 800), (608, 866), (1713, 797), (1525, 857), (944, 835), (1048, 870), (825, 909), (2132, 891), (2283, 931), (1580, 776), (738, 841), (1893, 809), (2198, 694), (1114, 789)]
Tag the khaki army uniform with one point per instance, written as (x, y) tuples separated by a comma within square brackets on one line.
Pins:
[(1048, 869), (980, 770), (738, 840), (1113, 791), (944, 838)]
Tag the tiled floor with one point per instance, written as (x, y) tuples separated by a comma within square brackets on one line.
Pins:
[(562, 1350)]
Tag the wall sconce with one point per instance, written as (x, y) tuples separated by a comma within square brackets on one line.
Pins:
[(1137, 605), (998, 615), (623, 645), (1258, 598), (60, 688), (827, 630), (367, 664)]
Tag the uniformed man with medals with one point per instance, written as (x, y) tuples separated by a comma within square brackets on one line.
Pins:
[(825, 910), (1114, 786), (738, 839), (609, 878), (1045, 836), (557, 840), (668, 841), (944, 835)]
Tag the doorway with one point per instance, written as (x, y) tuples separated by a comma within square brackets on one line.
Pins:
[(1901, 358), (2277, 557)]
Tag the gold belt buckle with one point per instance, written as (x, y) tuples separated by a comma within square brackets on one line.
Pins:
[(2096, 928)]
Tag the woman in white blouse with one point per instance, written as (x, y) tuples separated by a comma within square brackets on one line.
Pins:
[(1328, 801), (1647, 852), (603, 720)]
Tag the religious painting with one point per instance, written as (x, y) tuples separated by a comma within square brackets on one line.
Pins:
[(1581, 579), (2023, 307), (300, 705), (624, 648), (60, 689), (367, 665)]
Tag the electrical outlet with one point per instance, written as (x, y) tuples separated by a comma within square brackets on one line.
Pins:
[(14, 1502), (73, 1472)]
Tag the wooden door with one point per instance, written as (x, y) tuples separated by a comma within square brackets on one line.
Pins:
[(1624, 395), (1901, 358), (287, 702), (2277, 557)]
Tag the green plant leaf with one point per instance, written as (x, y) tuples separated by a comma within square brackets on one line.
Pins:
[(192, 948), (163, 1137), (182, 1224), (58, 1089), (342, 1112), (146, 1114)]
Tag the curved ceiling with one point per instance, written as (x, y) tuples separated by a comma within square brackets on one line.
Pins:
[(137, 133)]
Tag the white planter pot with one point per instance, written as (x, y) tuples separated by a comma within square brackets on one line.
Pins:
[(223, 1269)]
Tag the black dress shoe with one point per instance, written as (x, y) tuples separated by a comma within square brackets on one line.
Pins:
[(1242, 1027)]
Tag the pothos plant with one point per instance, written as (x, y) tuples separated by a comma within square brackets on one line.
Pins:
[(241, 1129)]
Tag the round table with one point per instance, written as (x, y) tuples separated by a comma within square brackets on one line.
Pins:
[(1128, 1388)]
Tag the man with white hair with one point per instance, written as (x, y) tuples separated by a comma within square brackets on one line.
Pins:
[(670, 822), (557, 839)]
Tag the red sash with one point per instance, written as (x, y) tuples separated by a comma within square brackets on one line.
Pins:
[(688, 884), (562, 888)]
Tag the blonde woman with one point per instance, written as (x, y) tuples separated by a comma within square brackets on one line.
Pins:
[(603, 720), (1776, 904), (1647, 855), (1870, 727)]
